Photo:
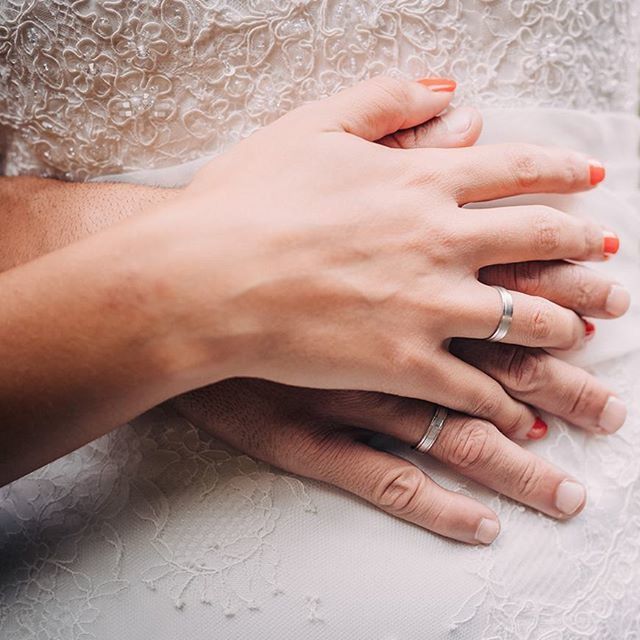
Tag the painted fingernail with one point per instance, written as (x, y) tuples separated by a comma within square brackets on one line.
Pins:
[(618, 301), (613, 415), (596, 172), (570, 496), (487, 531), (610, 243), (589, 329), (539, 430), (439, 84), (458, 120)]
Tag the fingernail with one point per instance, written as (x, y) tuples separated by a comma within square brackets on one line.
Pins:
[(570, 497), (539, 430), (596, 172), (613, 415), (458, 120), (589, 329), (439, 84), (487, 531), (618, 301), (610, 243)]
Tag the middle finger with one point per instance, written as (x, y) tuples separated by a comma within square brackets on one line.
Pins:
[(572, 286), (540, 379)]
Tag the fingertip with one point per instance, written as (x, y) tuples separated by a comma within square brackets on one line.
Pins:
[(570, 498), (470, 137), (528, 427), (538, 430), (618, 301), (597, 172), (439, 85), (462, 127), (488, 530), (613, 415)]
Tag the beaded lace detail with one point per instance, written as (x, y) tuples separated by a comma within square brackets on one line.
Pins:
[(92, 88)]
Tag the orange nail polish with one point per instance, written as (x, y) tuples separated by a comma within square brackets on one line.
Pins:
[(596, 172), (610, 243), (439, 84), (589, 329), (539, 430)]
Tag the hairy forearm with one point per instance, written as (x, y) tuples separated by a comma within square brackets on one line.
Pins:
[(79, 356), (40, 215)]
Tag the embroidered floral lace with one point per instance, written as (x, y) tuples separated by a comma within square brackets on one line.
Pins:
[(89, 88)]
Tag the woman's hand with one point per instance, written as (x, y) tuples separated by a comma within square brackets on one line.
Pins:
[(311, 256)]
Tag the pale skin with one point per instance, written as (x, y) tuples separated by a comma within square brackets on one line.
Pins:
[(81, 381)]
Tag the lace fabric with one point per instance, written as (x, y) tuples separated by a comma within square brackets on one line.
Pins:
[(91, 88), (169, 524)]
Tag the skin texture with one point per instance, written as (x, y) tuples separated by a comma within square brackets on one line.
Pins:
[(324, 435), (84, 209)]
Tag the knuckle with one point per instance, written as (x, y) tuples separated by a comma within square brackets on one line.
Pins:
[(527, 277), (318, 442), (581, 287), (525, 370), (468, 446), (546, 230), (524, 165), (390, 88), (488, 404), (427, 173), (529, 479), (398, 491), (405, 359), (404, 139), (382, 95), (580, 397), (541, 321), (445, 242), (514, 421)]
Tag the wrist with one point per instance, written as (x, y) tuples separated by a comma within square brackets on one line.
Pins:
[(203, 329)]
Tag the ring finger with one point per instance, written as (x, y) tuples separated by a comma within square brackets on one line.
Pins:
[(475, 448), (536, 322), (573, 286)]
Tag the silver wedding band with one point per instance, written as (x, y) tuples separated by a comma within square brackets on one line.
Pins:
[(433, 430), (507, 315)]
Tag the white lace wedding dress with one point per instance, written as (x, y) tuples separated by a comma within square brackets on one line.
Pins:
[(158, 531)]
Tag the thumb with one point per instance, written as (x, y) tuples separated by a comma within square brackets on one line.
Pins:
[(383, 105)]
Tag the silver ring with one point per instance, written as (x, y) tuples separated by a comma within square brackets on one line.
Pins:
[(507, 315), (433, 430)]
